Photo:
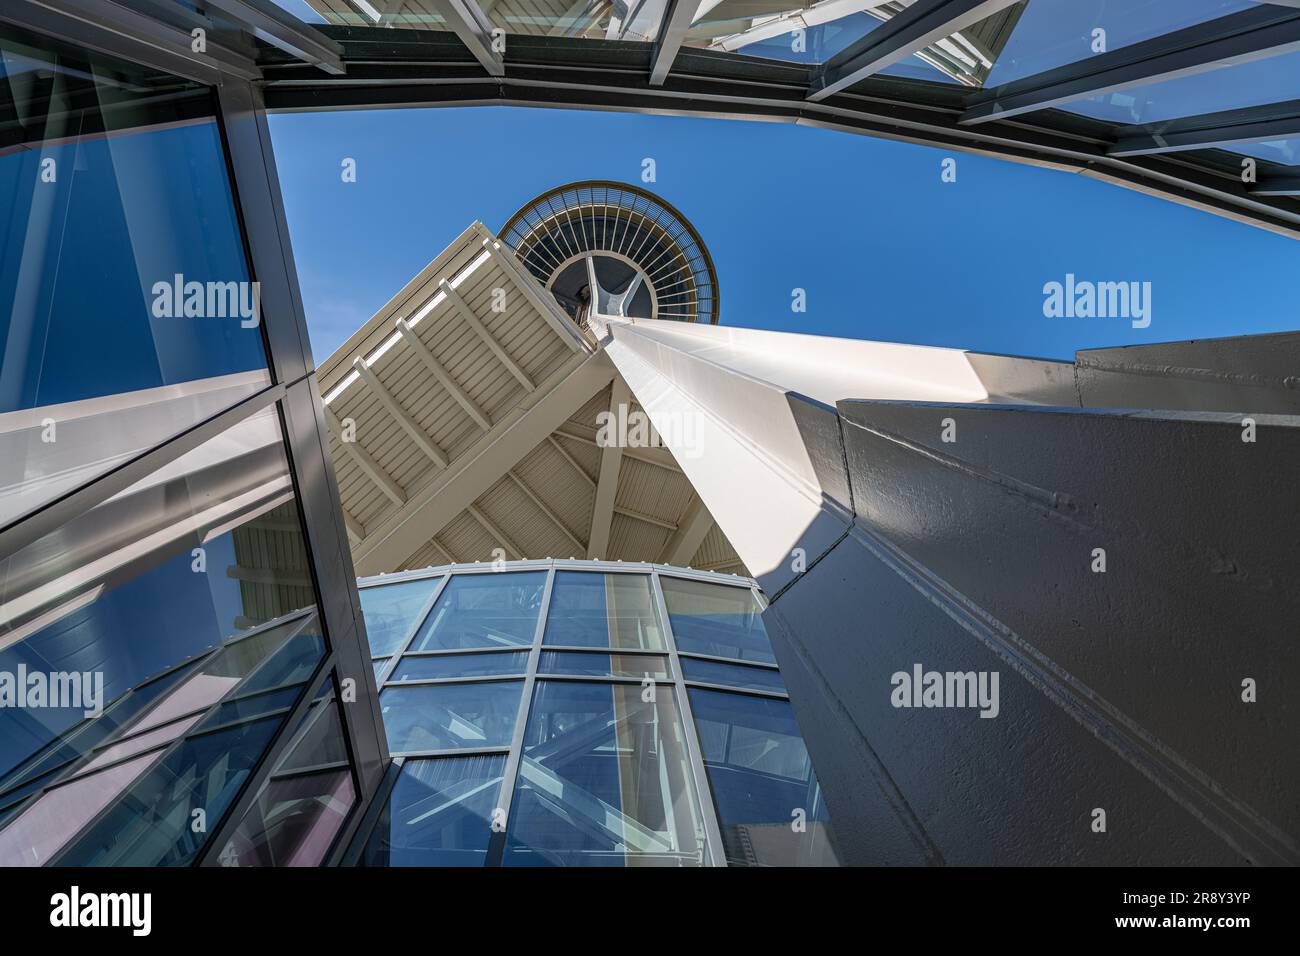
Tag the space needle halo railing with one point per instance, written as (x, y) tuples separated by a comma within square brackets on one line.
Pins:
[(598, 219)]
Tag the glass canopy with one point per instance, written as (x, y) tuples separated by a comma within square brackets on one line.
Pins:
[(1109, 85)]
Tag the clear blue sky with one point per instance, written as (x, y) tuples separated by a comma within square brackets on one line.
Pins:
[(884, 248)]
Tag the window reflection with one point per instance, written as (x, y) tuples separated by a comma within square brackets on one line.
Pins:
[(304, 803), (192, 749), (762, 781), (450, 716), (392, 611), (604, 665), (188, 597), (716, 619), (86, 244), (484, 610), (438, 814), (603, 610), (715, 672), (604, 781), (460, 665)]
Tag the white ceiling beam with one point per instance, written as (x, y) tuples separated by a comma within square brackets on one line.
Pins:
[(355, 530), (642, 516), (513, 551), (409, 425), (546, 510), (444, 379), (611, 459), (690, 534), (529, 288), (570, 459), (639, 454), (472, 320), (393, 539), (372, 469)]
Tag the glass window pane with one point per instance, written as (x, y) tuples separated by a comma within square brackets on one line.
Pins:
[(103, 237), (1052, 33), (438, 814), (603, 610), (301, 808), (714, 672), (604, 665), (461, 665), (761, 778), (484, 610), (1283, 151), (379, 664), (450, 716), (716, 619), (149, 820), (604, 780), (1270, 80), (159, 593), (136, 586), (391, 612)]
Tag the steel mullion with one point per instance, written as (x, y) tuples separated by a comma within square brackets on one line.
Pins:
[(703, 792), (382, 676), (510, 776)]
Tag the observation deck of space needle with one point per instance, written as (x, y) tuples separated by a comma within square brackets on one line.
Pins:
[(610, 249)]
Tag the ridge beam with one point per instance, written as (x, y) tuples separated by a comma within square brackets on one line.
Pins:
[(546, 509), (528, 286), (690, 534)]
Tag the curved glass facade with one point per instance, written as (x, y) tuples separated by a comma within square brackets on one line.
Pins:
[(585, 713)]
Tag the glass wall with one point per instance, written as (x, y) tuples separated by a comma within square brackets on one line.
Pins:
[(581, 713), (167, 692), (127, 310)]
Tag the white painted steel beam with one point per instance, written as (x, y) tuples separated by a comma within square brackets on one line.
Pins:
[(400, 415), (611, 458), (397, 536), (444, 378), (371, 468), (467, 314), (690, 534)]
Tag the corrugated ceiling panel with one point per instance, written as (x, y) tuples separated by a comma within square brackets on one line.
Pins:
[(632, 540)]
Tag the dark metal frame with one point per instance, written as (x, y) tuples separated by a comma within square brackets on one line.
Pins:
[(1237, 38), (915, 28), (162, 42), (422, 68)]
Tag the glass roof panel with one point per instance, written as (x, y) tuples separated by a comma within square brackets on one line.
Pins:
[(815, 32), (309, 13), (1270, 80), (1052, 33), (406, 14), (1284, 151)]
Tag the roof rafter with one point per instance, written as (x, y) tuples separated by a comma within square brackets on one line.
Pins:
[(371, 468), (400, 415), (472, 320), (444, 378), (1252, 34), (611, 458)]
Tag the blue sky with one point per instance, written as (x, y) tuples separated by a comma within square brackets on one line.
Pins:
[(883, 247)]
